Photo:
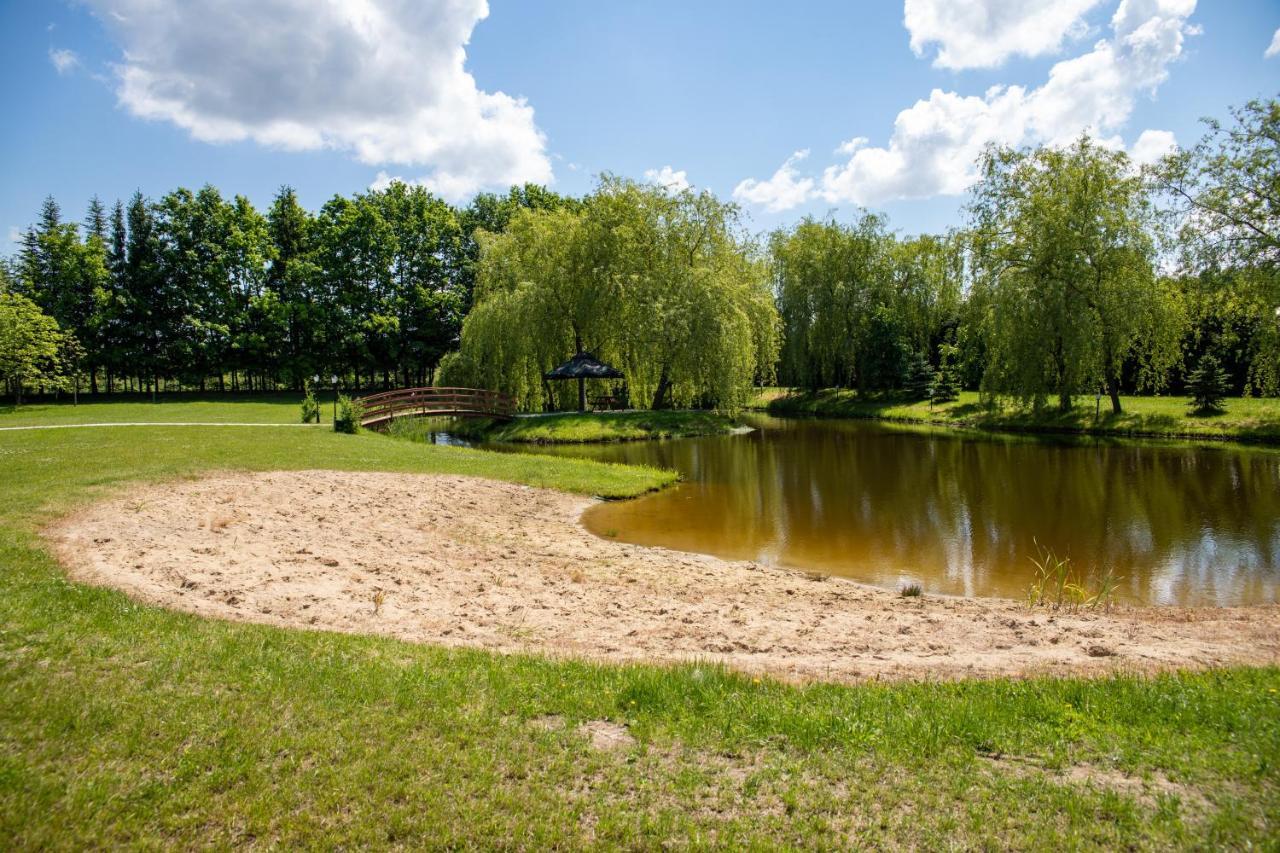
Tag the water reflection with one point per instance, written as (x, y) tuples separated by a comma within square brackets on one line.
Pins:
[(1180, 524)]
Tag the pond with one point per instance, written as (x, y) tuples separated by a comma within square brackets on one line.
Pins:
[(963, 514)]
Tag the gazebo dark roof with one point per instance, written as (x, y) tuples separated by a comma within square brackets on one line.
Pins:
[(584, 365)]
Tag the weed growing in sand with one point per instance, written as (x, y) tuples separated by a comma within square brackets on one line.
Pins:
[(1057, 585), (378, 598), (911, 590)]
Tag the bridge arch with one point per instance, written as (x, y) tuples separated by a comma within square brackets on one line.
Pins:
[(382, 408)]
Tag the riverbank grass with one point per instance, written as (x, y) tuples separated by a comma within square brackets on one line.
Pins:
[(125, 724), (1244, 419), (581, 427)]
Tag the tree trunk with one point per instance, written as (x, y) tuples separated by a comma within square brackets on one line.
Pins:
[(1113, 391), (660, 395)]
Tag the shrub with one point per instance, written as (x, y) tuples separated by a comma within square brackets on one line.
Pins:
[(911, 590), (349, 412), (1208, 385), (310, 408)]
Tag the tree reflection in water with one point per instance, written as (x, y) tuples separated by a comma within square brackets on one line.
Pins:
[(962, 513)]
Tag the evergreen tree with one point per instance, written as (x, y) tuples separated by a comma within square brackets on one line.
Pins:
[(1207, 385), (147, 314), (945, 386), (919, 382), (95, 221)]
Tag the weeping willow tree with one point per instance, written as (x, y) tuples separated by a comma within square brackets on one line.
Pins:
[(660, 284), (858, 303), (1065, 274)]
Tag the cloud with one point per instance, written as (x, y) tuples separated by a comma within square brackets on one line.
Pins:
[(668, 177), (64, 61), (1274, 48), (15, 234), (783, 191), (384, 80), (985, 33), (936, 141), (1151, 145)]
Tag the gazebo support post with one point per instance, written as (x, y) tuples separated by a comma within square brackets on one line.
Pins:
[(582, 394)]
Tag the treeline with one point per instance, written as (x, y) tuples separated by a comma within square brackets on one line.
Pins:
[(196, 291), (1075, 272), (664, 285)]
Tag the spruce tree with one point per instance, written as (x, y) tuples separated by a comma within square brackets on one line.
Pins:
[(945, 385), (919, 384), (1208, 385)]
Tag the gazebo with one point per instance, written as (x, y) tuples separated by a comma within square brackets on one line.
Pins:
[(582, 367)]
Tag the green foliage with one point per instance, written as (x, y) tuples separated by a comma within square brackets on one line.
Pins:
[(855, 301), (349, 413), (919, 381), (1207, 385), (33, 350), (310, 407), (946, 387), (658, 284), (1065, 288)]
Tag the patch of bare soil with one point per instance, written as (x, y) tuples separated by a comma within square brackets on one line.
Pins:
[(465, 561)]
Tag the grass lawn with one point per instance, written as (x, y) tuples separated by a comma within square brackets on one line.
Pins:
[(580, 427), (282, 408), (1245, 419), (124, 724)]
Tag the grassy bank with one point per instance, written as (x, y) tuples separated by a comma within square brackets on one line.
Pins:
[(580, 427), (124, 724), (1245, 419)]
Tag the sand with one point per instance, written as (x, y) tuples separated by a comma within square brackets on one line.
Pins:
[(461, 561)]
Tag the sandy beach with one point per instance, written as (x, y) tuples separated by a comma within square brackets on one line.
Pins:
[(462, 561)]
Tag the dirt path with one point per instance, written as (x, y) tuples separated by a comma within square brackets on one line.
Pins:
[(464, 561)]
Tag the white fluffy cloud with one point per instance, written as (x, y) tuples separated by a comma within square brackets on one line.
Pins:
[(668, 177), (1274, 48), (64, 61), (937, 140), (1151, 145), (985, 33), (382, 79), (781, 192)]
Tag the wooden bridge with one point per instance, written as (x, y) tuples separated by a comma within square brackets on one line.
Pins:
[(380, 409)]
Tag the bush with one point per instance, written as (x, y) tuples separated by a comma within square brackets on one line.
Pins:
[(349, 413), (1208, 385), (310, 408)]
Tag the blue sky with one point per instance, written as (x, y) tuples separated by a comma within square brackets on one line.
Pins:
[(890, 100)]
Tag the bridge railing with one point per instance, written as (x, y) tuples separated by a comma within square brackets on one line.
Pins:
[(475, 402)]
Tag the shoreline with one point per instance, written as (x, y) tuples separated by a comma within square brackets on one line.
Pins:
[(462, 561), (848, 408)]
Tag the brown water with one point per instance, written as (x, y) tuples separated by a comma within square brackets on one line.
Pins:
[(962, 514)]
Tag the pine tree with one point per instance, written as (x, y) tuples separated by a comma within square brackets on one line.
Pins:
[(1208, 385), (95, 221), (919, 384), (945, 385)]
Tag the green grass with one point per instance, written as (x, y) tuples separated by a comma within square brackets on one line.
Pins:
[(125, 724), (1245, 419), (284, 408), (581, 428)]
